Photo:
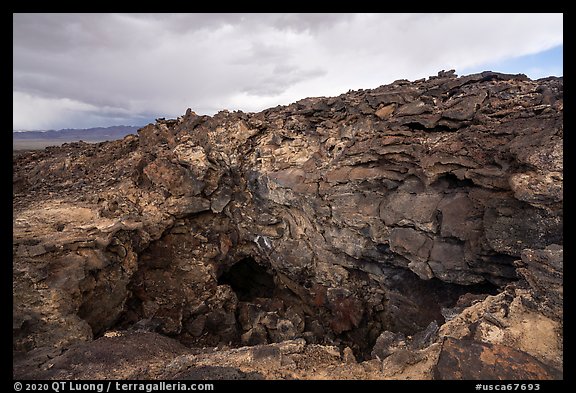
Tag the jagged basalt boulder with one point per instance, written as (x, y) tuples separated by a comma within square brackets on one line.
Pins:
[(365, 222)]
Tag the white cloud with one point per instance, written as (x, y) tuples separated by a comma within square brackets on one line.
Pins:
[(92, 69), (42, 113), (33, 111)]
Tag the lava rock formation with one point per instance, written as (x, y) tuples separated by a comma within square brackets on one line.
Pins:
[(409, 231)]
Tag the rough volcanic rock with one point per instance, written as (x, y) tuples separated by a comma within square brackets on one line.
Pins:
[(466, 359), (346, 221)]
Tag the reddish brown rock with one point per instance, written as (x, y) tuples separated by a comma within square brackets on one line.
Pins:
[(467, 359)]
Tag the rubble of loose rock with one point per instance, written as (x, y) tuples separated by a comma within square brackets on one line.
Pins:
[(390, 233)]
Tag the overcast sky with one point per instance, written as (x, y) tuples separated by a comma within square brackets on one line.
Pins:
[(90, 70)]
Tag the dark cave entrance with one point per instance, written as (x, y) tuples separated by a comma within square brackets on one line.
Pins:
[(249, 280), (413, 303), (250, 303)]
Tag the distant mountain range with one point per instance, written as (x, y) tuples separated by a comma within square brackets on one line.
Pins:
[(97, 134)]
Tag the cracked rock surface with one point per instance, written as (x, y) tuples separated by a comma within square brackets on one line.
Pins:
[(412, 231)]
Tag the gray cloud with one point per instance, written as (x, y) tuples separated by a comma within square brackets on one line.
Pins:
[(72, 70), (283, 76)]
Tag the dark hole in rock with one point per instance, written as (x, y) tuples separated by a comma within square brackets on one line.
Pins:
[(250, 303), (423, 127), (249, 280), (450, 180), (430, 300)]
